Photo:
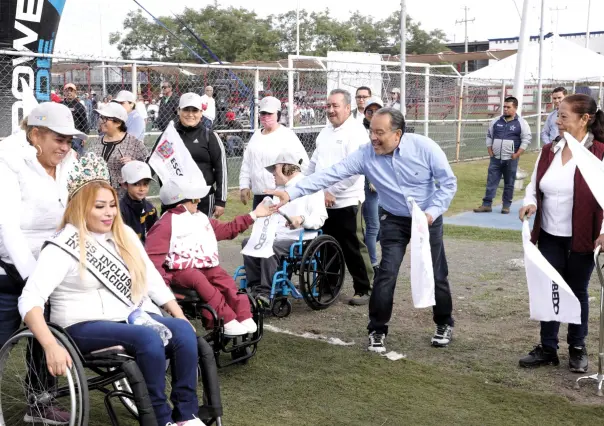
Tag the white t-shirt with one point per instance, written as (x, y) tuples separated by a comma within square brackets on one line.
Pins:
[(210, 112), (333, 145), (262, 151), (142, 109)]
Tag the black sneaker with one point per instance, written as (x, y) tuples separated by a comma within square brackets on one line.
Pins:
[(376, 268), (263, 300), (442, 336), (577, 361), (540, 355), (376, 342)]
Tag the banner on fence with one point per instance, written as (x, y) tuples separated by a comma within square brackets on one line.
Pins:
[(29, 26)]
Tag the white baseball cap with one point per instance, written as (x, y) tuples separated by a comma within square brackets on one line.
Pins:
[(269, 104), (190, 100), (374, 101), (125, 96), (135, 171), (56, 117), (114, 110), (285, 157), (395, 90), (180, 188)]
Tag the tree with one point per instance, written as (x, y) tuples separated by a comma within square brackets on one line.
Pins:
[(237, 34)]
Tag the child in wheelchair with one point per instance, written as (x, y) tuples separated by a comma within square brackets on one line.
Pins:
[(183, 246), (307, 212)]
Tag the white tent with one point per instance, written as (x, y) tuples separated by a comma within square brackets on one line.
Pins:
[(563, 60)]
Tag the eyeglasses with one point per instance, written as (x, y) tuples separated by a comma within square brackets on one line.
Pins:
[(362, 97), (165, 87)]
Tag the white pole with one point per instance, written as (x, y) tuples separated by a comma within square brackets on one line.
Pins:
[(290, 93), (403, 100), (298, 28), (540, 83), (103, 78), (520, 57), (502, 99), (134, 76), (256, 98), (587, 30), (465, 19), (426, 99)]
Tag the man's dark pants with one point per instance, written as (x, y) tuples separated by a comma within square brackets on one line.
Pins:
[(395, 234), (346, 226), (498, 169)]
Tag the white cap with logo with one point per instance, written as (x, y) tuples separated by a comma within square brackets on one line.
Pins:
[(56, 117), (135, 171), (285, 157), (179, 188), (374, 101), (269, 104), (190, 100), (113, 110), (125, 96)]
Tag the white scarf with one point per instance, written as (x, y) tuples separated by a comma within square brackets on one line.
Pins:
[(192, 243)]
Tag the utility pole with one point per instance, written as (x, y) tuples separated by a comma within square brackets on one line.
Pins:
[(557, 10), (403, 94), (465, 21), (587, 29)]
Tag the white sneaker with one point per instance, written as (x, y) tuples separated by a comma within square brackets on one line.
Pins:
[(250, 325), (234, 328), (376, 342)]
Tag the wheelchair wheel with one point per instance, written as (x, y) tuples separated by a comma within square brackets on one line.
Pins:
[(322, 272), (26, 387), (282, 307)]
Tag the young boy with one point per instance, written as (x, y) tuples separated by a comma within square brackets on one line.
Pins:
[(183, 246), (137, 212)]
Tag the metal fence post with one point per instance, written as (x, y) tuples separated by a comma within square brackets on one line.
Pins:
[(459, 116), (290, 92), (600, 94), (134, 76), (104, 78), (426, 100), (256, 97), (502, 96), (574, 87)]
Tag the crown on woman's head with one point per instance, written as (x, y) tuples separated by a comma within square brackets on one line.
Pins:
[(90, 168)]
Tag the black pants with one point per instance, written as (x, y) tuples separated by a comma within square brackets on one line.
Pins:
[(346, 226), (257, 200), (206, 205), (395, 234), (576, 269)]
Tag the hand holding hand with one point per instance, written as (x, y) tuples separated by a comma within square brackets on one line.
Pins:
[(282, 195), (262, 210)]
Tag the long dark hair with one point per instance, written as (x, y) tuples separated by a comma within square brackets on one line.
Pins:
[(584, 104)]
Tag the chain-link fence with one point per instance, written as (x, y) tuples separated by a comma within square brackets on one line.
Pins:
[(441, 104)]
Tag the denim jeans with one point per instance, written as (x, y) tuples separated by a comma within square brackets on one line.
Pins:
[(372, 223), (78, 146), (207, 123), (497, 169), (146, 346), (576, 269), (395, 234)]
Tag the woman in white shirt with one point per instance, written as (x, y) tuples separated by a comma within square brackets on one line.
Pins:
[(102, 293), (568, 222), (263, 148)]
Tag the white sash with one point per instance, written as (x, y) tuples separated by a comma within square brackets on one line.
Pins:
[(109, 269)]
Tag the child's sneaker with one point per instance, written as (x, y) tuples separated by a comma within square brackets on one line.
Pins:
[(234, 328), (250, 325)]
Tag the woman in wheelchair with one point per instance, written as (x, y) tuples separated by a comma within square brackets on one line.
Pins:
[(307, 212), (97, 289), (183, 246)]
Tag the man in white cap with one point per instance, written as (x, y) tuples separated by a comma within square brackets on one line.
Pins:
[(263, 148), (304, 213), (342, 136), (207, 151), (135, 123), (395, 98), (78, 111), (208, 104)]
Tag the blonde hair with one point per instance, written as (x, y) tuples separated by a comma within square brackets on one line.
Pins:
[(78, 209)]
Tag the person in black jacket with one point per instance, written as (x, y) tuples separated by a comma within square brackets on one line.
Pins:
[(78, 111), (207, 151), (137, 212), (168, 107)]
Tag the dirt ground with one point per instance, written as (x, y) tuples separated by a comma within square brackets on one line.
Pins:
[(491, 310)]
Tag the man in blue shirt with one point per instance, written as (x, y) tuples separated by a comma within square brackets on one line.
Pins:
[(399, 167), (550, 129)]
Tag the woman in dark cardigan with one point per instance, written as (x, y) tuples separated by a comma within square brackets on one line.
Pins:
[(568, 223)]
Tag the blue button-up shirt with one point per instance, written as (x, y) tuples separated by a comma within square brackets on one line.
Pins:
[(413, 170), (550, 128)]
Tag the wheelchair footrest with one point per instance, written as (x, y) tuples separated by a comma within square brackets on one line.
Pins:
[(106, 356)]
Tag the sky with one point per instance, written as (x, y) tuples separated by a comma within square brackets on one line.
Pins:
[(85, 25)]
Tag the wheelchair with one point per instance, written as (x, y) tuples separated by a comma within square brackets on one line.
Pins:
[(319, 265), (240, 348), (111, 371)]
